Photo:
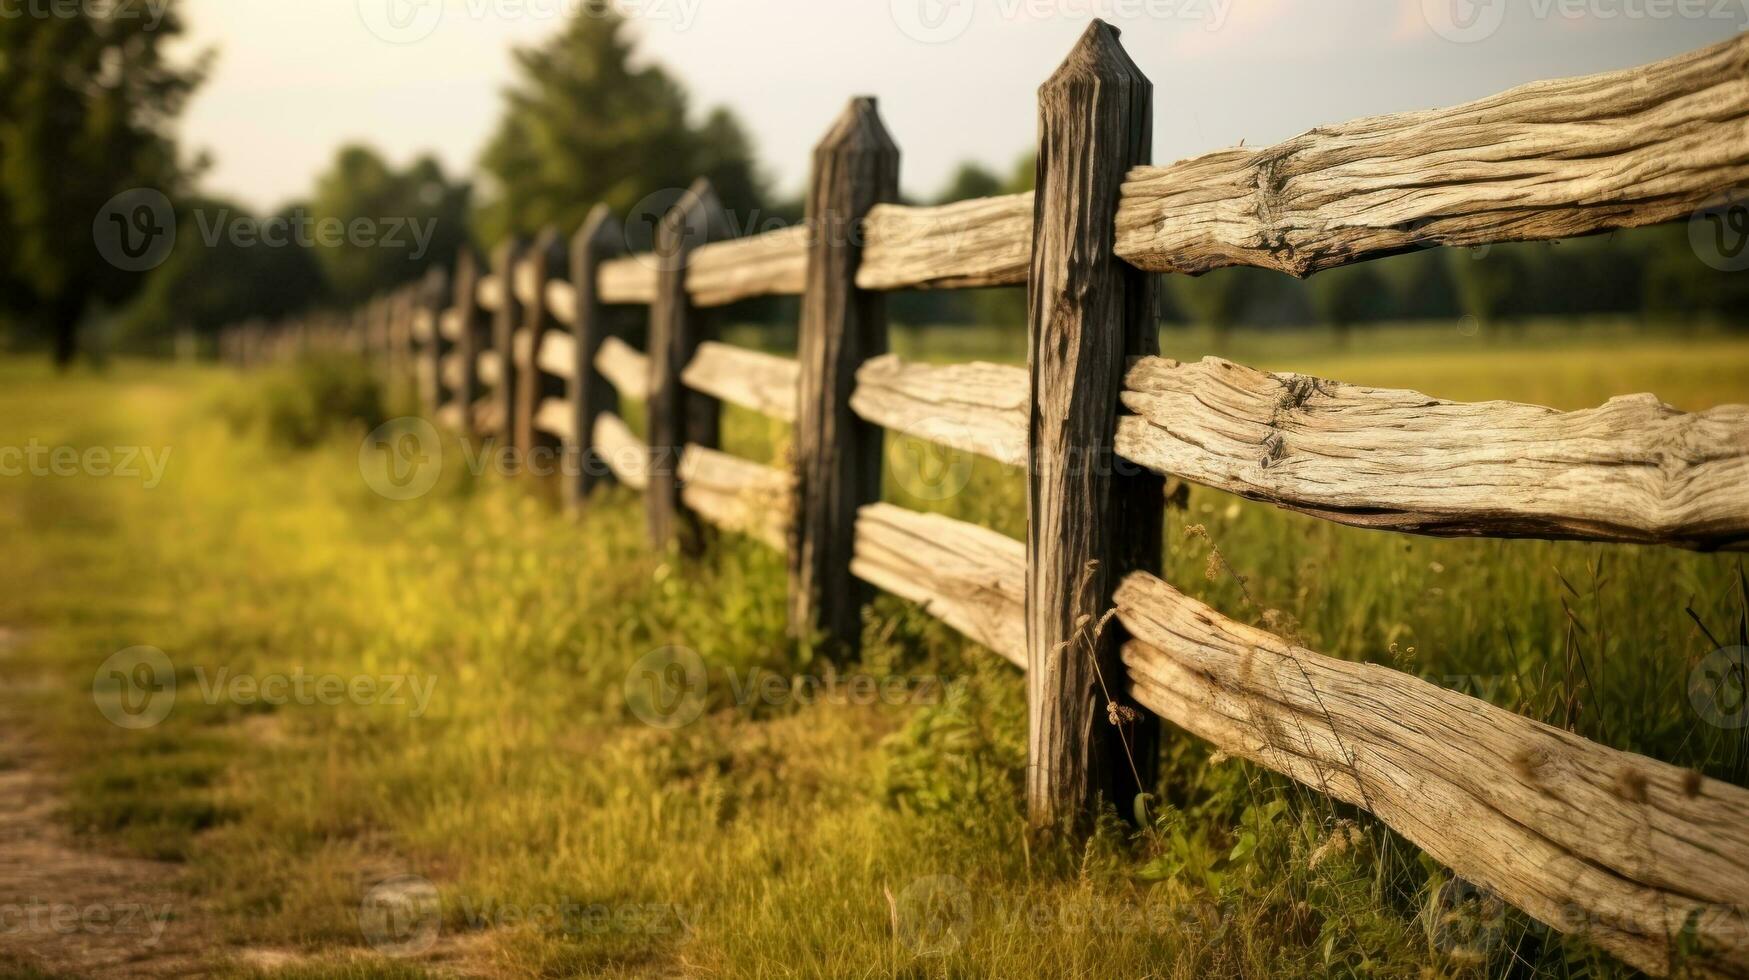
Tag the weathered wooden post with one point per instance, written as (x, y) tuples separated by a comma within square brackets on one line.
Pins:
[(590, 394), (543, 261), (472, 324), (505, 323), (677, 415), (432, 302), (1091, 518), (837, 455)]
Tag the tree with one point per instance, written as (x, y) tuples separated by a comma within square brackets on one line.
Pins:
[(87, 96), (583, 126), (374, 228), (207, 284)]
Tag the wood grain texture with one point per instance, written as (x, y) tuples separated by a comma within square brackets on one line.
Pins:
[(1087, 312), (626, 367), (763, 382), (982, 242), (630, 279), (1551, 159), (591, 395), (773, 263), (969, 577), (678, 416), (737, 495), (976, 407), (1580, 836), (837, 456), (1634, 469), (623, 452)]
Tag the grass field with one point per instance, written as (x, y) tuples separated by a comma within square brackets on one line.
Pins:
[(787, 834)]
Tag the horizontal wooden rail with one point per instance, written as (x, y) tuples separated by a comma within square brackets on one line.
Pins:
[(450, 417), (977, 407), (737, 495), (629, 279), (562, 300), (558, 354), (450, 324), (982, 242), (1550, 159), (969, 577), (762, 382), (489, 294), (769, 264), (624, 453), (1582, 837), (555, 416), (625, 367), (527, 280), (1633, 470)]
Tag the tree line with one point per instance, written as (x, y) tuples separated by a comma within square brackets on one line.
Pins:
[(90, 103)]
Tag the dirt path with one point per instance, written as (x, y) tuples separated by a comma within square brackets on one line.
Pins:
[(68, 910)]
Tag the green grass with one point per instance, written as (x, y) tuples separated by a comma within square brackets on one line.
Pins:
[(772, 839)]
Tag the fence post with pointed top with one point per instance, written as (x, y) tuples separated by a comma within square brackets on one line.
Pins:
[(837, 455), (1091, 518), (677, 415), (590, 394)]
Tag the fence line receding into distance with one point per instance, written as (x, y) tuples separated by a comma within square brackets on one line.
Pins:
[(1649, 861)]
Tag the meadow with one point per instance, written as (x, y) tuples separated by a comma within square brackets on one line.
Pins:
[(789, 830)]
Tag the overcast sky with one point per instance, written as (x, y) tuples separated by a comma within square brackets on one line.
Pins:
[(956, 79)]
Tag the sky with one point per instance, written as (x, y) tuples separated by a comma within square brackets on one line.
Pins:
[(957, 80)]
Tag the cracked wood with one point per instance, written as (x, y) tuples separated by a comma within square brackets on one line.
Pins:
[(1633, 469)]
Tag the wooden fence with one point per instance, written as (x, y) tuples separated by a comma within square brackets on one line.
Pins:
[(1649, 860)]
